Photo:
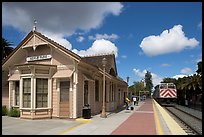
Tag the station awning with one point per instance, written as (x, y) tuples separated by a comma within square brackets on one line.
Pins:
[(63, 73)]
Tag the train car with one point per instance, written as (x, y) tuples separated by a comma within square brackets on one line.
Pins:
[(165, 94)]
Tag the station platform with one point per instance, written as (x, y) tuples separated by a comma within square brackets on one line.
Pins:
[(149, 119)]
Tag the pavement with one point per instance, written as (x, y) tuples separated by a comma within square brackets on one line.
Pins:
[(146, 118), (96, 125), (17, 126), (103, 126)]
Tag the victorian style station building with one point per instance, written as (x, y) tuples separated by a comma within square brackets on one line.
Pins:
[(43, 79)]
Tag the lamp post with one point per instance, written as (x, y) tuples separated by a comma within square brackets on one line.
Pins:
[(103, 113), (127, 84)]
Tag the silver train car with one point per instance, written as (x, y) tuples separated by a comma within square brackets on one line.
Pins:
[(165, 94)]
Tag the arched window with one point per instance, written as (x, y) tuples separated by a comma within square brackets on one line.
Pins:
[(112, 72)]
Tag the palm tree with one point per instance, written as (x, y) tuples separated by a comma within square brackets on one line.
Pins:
[(194, 82), (199, 71), (6, 48)]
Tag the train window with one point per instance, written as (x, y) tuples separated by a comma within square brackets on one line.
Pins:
[(163, 86), (171, 85)]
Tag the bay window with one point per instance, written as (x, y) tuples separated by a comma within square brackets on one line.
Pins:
[(26, 92), (41, 92)]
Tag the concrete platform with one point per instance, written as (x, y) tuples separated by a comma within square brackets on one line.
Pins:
[(148, 118)]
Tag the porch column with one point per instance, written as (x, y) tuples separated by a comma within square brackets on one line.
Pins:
[(32, 98), (10, 91), (75, 82), (50, 109), (21, 94)]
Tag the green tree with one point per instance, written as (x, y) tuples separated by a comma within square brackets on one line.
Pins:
[(169, 80), (6, 48), (148, 81), (138, 86), (199, 71)]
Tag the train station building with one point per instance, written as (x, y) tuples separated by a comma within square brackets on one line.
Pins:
[(43, 79)]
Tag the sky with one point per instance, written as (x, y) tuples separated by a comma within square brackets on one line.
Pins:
[(164, 38)]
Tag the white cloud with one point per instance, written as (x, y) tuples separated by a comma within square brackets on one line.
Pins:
[(165, 65), (58, 17), (99, 47), (200, 25), (156, 79), (199, 58), (58, 20), (111, 37), (179, 76), (80, 39), (59, 38), (124, 56), (186, 71), (141, 74), (169, 41)]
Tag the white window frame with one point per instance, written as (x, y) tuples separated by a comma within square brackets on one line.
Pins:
[(14, 93), (21, 104)]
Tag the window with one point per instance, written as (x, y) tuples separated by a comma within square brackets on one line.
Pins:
[(96, 90), (110, 92), (26, 92), (41, 92), (163, 86), (85, 92), (171, 85), (64, 91), (17, 93)]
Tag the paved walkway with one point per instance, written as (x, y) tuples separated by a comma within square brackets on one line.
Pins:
[(141, 122), (148, 118), (103, 126)]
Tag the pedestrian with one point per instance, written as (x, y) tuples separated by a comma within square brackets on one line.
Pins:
[(134, 100), (137, 100), (127, 101)]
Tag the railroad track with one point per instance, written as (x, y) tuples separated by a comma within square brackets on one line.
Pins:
[(191, 124)]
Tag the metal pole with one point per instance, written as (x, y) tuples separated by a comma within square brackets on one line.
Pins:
[(127, 85)]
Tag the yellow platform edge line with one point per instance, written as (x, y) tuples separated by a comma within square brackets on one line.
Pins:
[(159, 129), (74, 127), (171, 123)]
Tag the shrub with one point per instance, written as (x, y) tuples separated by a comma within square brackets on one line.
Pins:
[(14, 112), (4, 111)]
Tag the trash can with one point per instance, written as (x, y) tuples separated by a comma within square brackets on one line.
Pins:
[(86, 112)]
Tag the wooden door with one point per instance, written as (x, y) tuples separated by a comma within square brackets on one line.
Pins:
[(64, 99)]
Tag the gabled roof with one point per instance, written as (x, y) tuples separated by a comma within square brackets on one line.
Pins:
[(97, 61), (58, 45), (47, 39), (19, 45)]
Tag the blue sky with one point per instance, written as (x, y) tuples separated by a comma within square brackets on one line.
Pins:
[(164, 38)]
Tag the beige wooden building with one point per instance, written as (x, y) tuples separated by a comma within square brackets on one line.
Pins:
[(44, 80)]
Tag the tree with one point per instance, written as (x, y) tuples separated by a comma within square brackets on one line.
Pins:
[(199, 71), (6, 48), (138, 86), (169, 80), (148, 81)]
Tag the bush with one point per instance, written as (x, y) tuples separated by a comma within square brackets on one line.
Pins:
[(4, 111), (14, 112)]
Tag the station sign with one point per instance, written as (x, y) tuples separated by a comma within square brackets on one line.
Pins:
[(40, 57)]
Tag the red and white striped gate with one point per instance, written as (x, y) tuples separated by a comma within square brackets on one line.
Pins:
[(168, 93)]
